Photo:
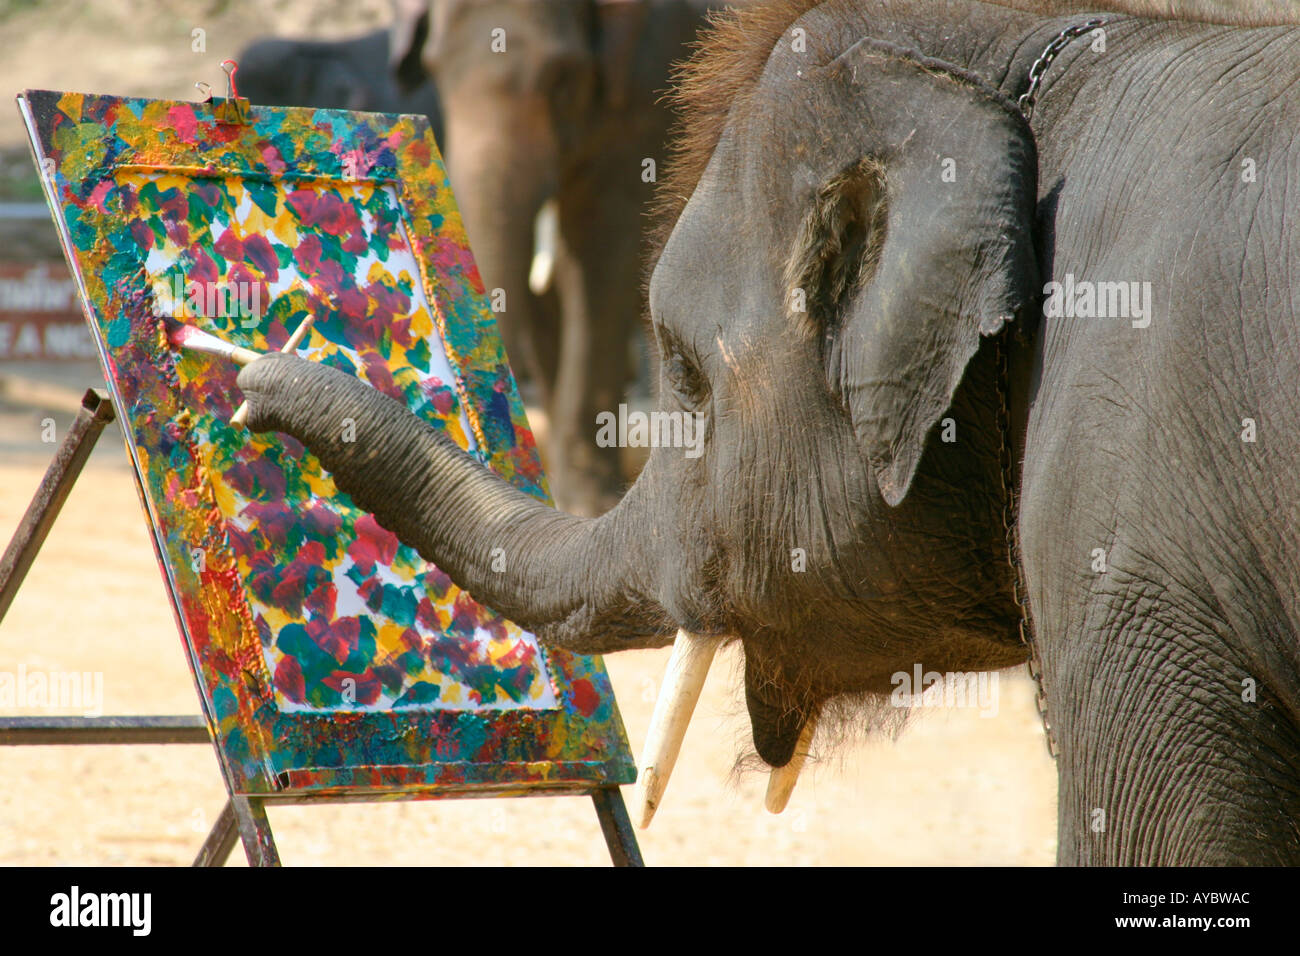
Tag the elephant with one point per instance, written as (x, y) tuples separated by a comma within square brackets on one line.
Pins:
[(554, 129), (984, 379), (379, 72)]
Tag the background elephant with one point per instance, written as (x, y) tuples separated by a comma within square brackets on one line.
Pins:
[(862, 290), (379, 72), (559, 99)]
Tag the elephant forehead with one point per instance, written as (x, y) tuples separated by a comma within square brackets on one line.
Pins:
[(700, 263)]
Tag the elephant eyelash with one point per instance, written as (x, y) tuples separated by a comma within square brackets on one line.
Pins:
[(680, 371), (686, 380)]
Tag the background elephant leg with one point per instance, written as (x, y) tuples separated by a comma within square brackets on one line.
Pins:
[(598, 282)]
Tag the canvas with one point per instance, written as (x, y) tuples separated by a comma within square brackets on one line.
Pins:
[(330, 658)]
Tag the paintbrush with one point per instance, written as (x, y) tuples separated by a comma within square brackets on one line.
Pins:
[(196, 340), (240, 418)]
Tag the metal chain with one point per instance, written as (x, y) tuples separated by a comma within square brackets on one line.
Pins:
[(1062, 40), (1010, 497), (1010, 501)]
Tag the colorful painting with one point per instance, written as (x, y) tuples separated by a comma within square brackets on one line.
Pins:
[(330, 657)]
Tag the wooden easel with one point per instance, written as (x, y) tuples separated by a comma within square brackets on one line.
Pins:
[(243, 817)]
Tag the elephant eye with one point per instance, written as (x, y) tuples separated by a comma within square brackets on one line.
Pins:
[(685, 379)]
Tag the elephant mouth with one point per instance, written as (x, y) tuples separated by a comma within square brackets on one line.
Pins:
[(787, 705), (783, 737)]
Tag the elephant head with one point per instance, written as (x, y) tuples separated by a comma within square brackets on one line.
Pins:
[(821, 307)]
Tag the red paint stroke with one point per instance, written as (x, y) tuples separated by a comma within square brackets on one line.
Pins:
[(328, 211), (203, 270), (258, 478), (327, 273), (522, 653), (272, 159), (339, 639), (366, 685), (322, 600), (373, 544), (585, 697), (258, 250), (288, 680), (380, 375), (426, 615), (184, 123), (142, 235), (291, 591), (320, 521)]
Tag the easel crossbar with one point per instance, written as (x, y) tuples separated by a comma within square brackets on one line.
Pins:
[(33, 731)]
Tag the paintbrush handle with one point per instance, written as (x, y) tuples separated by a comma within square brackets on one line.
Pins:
[(240, 418), (299, 334), (243, 356)]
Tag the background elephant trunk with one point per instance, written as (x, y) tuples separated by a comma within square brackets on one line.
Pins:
[(499, 190), (569, 580)]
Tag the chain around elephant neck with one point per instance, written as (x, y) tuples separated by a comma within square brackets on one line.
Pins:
[(1010, 514), (1059, 43), (1010, 494)]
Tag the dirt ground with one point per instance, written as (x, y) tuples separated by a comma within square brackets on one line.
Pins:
[(956, 788)]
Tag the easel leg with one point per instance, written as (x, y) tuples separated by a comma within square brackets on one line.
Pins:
[(617, 827), (96, 412), (216, 848), (255, 831)]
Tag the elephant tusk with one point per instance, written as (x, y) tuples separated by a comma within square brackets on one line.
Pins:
[(683, 681), (546, 228), (782, 780)]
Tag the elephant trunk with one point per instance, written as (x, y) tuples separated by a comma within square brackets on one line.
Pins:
[(569, 580)]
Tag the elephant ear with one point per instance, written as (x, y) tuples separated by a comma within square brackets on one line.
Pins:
[(620, 25), (406, 40), (919, 239)]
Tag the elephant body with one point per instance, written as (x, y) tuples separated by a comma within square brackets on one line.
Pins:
[(1182, 439), (904, 308)]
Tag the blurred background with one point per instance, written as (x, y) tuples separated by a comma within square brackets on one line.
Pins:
[(553, 151)]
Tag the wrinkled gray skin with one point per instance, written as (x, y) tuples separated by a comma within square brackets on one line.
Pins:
[(364, 74), (1132, 437), (568, 111)]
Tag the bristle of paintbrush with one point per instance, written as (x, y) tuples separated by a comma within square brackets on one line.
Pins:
[(196, 340)]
